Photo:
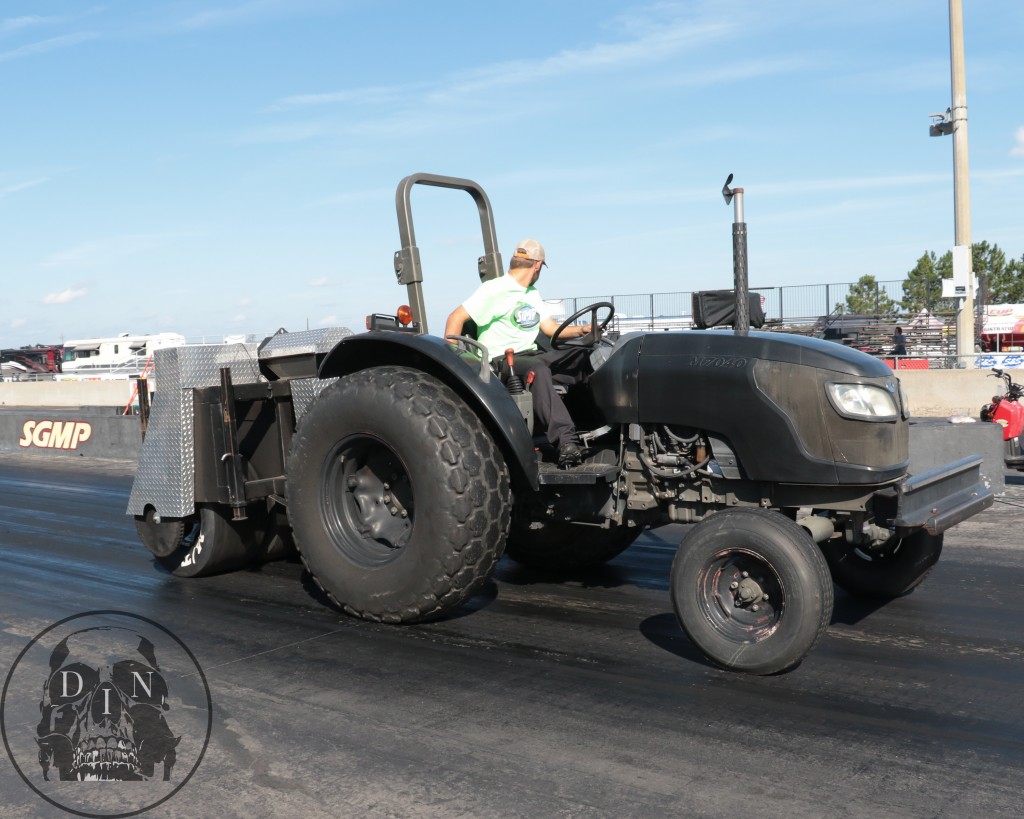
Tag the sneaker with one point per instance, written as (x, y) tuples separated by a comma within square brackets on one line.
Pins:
[(570, 454)]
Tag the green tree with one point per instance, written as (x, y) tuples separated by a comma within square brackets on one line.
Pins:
[(922, 289), (1010, 284), (866, 297), (1001, 279)]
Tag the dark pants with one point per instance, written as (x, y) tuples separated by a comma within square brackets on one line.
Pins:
[(568, 366)]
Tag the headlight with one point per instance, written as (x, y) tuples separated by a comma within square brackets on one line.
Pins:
[(863, 401)]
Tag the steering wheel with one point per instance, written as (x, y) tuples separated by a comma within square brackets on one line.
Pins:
[(596, 327)]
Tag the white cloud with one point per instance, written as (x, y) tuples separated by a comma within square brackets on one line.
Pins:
[(853, 183), (319, 282), (43, 46), (246, 12), (31, 21), (64, 296), (745, 70), (282, 134), (373, 95), (326, 321), (20, 187), (654, 43), (1018, 149), (244, 302), (18, 322), (900, 77), (237, 318), (15, 23), (661, 34), (100, 252)]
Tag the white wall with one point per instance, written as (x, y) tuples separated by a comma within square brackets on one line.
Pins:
[(65, 393)]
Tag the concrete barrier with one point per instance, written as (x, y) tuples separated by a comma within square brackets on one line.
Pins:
[(66, 393), (948, 392), (930, 392), (50, 432)]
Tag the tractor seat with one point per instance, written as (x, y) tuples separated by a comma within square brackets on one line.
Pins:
[(470, 330)]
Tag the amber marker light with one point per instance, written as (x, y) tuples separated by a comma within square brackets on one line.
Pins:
[(404, 315)]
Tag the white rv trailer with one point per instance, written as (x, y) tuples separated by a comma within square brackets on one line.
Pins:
[(123, 356)]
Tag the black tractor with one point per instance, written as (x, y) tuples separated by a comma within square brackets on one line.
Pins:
[(407, 468)]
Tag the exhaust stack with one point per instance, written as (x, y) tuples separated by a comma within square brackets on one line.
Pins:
[(739, 258)]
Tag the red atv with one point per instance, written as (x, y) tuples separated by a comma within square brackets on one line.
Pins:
[(1006, 410)]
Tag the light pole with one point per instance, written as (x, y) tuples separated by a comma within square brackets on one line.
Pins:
[(955, 122)]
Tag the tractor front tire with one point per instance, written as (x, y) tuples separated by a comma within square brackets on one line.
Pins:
[(751, 590)]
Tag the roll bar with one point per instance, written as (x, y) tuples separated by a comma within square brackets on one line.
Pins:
[(408, 270)]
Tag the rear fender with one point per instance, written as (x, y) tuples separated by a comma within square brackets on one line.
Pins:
[(488, 400)]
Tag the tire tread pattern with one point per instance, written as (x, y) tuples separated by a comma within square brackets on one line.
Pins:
[(477, 483)]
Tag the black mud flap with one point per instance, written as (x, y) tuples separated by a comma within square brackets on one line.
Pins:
[(942, 497)]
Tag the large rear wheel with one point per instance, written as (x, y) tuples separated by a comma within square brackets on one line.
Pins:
[(751, 590), (398, 498)]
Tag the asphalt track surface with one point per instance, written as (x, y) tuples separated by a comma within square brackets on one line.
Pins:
[(546, 696)]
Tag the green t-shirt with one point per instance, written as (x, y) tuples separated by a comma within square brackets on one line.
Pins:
[(506, 315)]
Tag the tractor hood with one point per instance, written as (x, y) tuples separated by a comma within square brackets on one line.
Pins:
[(766, 400)]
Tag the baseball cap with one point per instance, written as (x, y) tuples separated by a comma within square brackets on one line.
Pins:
[(530, 249)]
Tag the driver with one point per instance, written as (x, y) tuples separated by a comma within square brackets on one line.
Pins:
[(508, 311)]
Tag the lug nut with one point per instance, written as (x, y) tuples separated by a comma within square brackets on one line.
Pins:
[(755, 607), (352, 483), (734, 585), (746, 574)]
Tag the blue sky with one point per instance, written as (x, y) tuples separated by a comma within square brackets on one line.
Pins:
[(213, 168)]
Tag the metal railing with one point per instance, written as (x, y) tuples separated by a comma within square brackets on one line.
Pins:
[(785, 305), (810, 309)]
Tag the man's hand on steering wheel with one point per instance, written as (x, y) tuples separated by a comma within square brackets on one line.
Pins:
[(589, 336)]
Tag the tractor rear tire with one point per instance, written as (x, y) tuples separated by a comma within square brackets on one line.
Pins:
[(398, 498), (895, 569), (559, 545)]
